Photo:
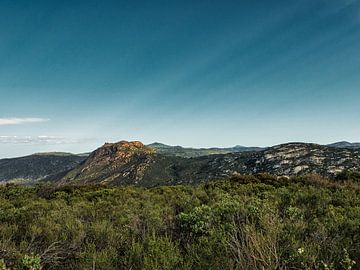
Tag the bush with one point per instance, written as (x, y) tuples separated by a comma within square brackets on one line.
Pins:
[(247, 222)]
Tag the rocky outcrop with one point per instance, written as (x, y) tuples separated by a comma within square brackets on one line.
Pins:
[(113, 162), (302, 158)]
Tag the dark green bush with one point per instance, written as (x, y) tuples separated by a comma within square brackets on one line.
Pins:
[(247, 222)]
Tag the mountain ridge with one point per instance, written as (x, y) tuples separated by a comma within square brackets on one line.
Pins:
[(36, 167), (345, 144), (189, 152), (143, 166), (126, 162)]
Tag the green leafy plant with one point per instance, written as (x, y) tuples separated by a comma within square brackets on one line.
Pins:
[(32, 262)]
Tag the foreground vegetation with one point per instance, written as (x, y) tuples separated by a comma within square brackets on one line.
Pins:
[(248, 222)]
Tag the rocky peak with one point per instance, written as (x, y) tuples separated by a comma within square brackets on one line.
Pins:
[(125, 144), (118, 152), (111, 161)]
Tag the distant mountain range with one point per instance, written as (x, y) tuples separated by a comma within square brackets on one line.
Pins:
[(126, 163), (180, 151), (345, 144), (198, 152)]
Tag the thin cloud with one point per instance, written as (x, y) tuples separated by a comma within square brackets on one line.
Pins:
[(19, 121), (43, 140)]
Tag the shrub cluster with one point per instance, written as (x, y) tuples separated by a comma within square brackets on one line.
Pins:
[(247, 222)]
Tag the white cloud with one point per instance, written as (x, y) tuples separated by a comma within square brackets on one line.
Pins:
[(19, 121), (43, 140)]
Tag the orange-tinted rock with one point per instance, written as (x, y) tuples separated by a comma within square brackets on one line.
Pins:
[(113, 160)]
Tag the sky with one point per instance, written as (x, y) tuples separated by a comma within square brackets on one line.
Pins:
[(75, 74)]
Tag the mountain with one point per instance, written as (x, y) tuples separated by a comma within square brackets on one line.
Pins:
[(300, 158), (126, 163), (187, 152), (113, 163), (345, 144), (37, 167)]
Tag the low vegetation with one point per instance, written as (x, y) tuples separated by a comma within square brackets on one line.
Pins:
[(247, 222)]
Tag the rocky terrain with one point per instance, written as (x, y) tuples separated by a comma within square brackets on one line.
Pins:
[(302, 158), (113, 163), (133, 163), (125, 163)]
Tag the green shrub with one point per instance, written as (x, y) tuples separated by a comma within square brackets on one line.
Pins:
[(32, 262), (3, 265), (248, 222)]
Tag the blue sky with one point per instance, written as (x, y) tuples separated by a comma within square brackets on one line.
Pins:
[(74, 74)]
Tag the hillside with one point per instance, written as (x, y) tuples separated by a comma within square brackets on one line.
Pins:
[(134, 163), (301, 158), (345, 144), (113, 162), (198, 152), (187, 152), (36, 167)]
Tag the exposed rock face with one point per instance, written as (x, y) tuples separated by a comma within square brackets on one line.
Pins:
[(115, 154), (113, 162), (301, 158), (133, 163)]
